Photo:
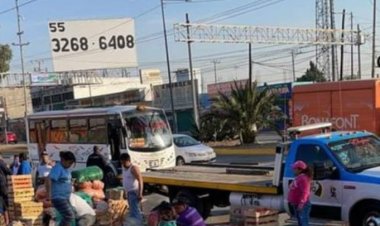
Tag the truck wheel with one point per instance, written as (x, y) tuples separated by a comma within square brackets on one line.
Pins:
[(369, 215), (180, 161)]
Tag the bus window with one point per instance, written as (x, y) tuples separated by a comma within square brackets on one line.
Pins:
[(32, 132), (97, 133), (78, 130), (148, 131), (58, 132)]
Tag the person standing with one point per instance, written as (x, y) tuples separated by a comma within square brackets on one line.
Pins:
[(133, 186), (97, 159), (4, 217), (25, 166), (299, 192), (15, 164), (4, 172), (187, 215), (59, 187), (44, 168)]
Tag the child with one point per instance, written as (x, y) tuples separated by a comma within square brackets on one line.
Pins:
[(167, 216), (4, 220), (60, 187), (299, 192)]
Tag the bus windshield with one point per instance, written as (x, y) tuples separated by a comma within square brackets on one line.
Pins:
[(148, 130), (358, 154)]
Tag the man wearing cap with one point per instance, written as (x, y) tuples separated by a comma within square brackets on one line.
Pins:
[(187, 215), (299, 192)]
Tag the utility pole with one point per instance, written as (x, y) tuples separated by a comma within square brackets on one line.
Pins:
[(332, 26), (359, 56), (373, 40), (250, 65), (168, 66), (342, 47), (215, 76), (193, 87), (293, 66), (21, 45), (352, 48)]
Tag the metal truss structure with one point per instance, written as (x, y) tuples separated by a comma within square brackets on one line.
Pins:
[(322, 22), (60, 78), (216, 33)]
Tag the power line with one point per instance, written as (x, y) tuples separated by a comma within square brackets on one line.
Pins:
[(14, 8)]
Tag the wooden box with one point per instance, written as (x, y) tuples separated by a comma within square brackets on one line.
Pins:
[(32, 221), (115, 194), (19, 181), (260, 216)]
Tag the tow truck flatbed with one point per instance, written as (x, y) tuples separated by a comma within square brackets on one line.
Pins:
[(216, 178)]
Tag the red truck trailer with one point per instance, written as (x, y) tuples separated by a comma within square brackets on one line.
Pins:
[(348, 105)]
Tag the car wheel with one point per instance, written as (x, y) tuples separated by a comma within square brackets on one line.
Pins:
[(180, 161), (369, 215)]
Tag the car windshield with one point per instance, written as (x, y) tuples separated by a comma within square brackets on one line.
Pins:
[(148, 130), (358, 154), (184, 141)]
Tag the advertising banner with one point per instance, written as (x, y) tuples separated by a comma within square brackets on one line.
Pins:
[(92, 44)]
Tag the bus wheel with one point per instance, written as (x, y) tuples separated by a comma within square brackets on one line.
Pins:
[(180, 161)]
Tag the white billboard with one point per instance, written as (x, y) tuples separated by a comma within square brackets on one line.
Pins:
[(92, 44)]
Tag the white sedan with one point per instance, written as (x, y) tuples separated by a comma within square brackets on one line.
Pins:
[(189, 150)]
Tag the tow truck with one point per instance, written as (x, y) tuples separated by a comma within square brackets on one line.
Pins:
[(345, 186)]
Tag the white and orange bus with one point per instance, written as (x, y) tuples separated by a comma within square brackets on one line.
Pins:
[(141, 131)]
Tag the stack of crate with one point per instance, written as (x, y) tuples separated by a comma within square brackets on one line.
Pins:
[(21, 204)]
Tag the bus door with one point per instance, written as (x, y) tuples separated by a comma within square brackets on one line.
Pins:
[(115, 137)]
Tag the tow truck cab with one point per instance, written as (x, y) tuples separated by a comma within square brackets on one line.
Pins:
[(346, 180)]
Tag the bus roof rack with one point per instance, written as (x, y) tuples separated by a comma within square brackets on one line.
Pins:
[(299, 129)]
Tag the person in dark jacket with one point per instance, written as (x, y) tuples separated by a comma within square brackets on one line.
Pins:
[(4, 172), (97, 159)]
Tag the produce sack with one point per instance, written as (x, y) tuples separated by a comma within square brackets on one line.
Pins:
[(88, 191), (85, 185), (87, 174), (97, 185), (86, 197), (98, 194)]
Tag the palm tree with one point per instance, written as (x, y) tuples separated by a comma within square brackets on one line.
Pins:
[(247, 109)]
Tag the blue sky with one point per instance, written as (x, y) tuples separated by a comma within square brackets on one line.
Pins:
[(151, 54)]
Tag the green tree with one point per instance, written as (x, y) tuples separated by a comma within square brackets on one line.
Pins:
[(245, 111), (312, 74), (5, 57)]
